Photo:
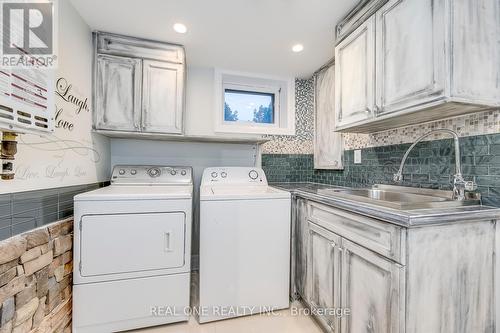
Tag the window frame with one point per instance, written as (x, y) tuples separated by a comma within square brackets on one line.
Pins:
[(284, 102)]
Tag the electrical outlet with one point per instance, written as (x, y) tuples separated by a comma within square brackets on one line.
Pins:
[(357, 156)]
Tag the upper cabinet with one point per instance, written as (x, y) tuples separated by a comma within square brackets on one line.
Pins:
[(328, 144), (411, 48), (354, 77), (138, 85), (162, 97), (118, 93), (431, 59)]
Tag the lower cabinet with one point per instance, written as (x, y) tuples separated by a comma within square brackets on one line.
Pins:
[(343, 276), (360, 275), (372, 290), (323, 275)]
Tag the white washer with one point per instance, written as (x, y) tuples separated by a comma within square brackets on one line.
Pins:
[(244, 244), (132, 244)]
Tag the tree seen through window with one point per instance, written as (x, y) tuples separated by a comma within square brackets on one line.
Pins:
[(248, 106)]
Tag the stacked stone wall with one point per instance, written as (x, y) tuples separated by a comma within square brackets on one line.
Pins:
[(36, 280)]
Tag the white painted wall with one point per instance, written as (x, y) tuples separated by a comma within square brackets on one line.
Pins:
[(197, 155), (200, 104), (66, 157)]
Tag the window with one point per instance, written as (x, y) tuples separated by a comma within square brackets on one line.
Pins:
[(254, 105), (248, 106)]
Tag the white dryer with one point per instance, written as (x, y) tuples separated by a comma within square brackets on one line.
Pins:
[(132, 244), (244, 244)]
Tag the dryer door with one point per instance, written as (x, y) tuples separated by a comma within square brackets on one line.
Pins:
[(125, 243)]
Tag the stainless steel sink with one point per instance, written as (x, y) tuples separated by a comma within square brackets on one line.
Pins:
[(404, 198)]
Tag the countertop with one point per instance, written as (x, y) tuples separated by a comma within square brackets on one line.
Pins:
[(404, 218)]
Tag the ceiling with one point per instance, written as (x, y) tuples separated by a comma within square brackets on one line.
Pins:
[(242, 35)]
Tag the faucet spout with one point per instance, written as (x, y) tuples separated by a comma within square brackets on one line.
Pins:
[(459, 184)]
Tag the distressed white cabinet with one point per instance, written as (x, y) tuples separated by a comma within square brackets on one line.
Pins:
[(372, 288), (324, 274), (118, 98), (433, 59), (354, 75), (162, 97), (328, 145), (138, 86), (411, 54), (300, 249), (391, 279)]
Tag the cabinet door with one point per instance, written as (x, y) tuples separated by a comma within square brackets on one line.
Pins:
[(324, 260), (328, 145), (373, 290), (354, 76), (410, 54), (163, 97), (118, 93)]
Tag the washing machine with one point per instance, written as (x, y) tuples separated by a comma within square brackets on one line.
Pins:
[(244, 244), (132, 244)]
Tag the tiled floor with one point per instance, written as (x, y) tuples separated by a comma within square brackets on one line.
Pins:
[(281, 322)]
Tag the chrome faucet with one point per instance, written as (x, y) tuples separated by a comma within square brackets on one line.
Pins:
[(460, 185)]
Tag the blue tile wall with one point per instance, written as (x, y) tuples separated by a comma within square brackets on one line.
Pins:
[(23, 211), (430, 165)]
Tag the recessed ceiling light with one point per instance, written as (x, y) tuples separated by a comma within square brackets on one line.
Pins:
[(180, 28), (298, 48)]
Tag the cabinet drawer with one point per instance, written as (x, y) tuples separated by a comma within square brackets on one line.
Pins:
[(383, 238)]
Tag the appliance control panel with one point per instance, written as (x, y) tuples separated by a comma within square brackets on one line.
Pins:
[(151, 175), (234, 176)]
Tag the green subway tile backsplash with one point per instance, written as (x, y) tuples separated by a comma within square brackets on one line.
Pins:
[(430, 165), (23, 211)]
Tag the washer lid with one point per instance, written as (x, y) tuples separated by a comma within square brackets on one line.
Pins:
[(135, 192), (241, 193)]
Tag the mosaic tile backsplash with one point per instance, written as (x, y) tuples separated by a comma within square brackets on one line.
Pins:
[(430, 165), (481, 123), (487, 122), (302, 141)]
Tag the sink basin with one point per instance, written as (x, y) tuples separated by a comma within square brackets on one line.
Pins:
[(393, 196), (404, 198)]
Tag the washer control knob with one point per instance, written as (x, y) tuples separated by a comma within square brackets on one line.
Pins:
[(253, 174), (173, 172), (154, 172), (183, 172), (214, 174), (223, 174), (133, 172), (121, 172)]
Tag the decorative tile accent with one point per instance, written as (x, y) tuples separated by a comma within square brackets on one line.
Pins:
[(302, 142), (487, 122), (430, 165)]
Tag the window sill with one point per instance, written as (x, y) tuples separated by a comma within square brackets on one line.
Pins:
[(262, 130)]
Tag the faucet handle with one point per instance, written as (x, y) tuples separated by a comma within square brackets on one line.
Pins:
[(470, 186)]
